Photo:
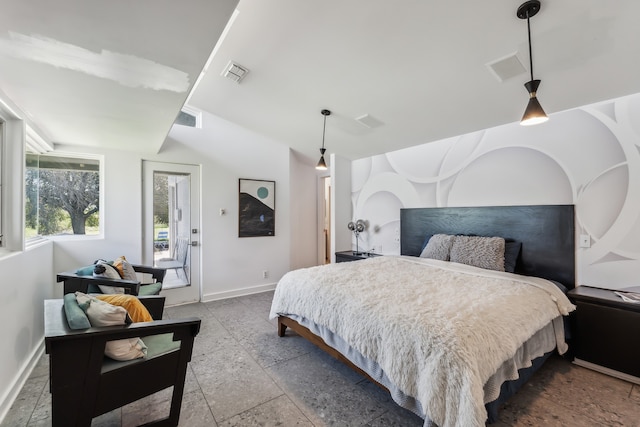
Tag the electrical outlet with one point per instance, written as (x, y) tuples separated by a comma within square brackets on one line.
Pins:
[(265, 274)]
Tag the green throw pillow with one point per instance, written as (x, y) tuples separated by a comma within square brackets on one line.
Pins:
[(76, 317), (85, 271)]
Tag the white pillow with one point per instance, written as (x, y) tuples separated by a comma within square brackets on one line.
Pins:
[(110, 272), (126, 349), (101, 313)]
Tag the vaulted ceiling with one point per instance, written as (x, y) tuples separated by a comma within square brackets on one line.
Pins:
[(117, 73)]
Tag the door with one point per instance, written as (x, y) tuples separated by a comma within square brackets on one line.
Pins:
[(171, 224)]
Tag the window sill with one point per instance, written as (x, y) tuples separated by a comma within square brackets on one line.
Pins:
[(35, 242)]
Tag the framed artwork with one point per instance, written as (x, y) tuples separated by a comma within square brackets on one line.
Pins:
[(257, 210)]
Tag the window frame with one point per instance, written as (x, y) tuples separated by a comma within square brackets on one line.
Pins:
[(62, 237), (11, 177)]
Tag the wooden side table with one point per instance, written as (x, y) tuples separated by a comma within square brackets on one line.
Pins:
[(606, 332)]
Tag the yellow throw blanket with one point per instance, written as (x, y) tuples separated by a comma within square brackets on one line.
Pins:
[(137, 311)]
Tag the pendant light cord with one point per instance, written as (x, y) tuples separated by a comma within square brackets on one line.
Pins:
[(530, 54), (324, 128)]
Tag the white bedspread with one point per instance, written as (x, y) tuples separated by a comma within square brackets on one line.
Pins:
[(439, 330)]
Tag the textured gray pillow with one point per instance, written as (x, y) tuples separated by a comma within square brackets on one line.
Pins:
[(438, 247), (483, 252)]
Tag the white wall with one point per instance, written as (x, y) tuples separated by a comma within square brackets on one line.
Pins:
[(231, 265), (588, 156), (27, 280)]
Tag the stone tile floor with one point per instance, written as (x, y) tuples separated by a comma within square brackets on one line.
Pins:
[(243, 374)]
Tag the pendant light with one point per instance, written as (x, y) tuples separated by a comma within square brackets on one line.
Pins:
[(534, 113), (322, 165)]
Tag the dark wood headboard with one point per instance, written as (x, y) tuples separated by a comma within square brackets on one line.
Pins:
[(547, 234)]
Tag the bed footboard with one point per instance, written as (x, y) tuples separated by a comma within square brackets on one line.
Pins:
[(284, 322)]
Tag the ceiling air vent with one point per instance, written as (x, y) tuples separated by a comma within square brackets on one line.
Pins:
[(234, 72), (506, 68), (368, 121)]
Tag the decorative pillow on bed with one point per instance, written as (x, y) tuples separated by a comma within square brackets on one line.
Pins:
[(438, 247), (483, 252), (511, 252), (424, 243)]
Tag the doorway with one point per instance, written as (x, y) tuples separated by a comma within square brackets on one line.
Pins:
[(325, 219), (172, 227)]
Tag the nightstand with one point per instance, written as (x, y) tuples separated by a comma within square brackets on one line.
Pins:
[(346, 256), (606, 332)]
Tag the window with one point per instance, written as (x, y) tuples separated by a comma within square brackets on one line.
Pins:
[(189, 116), (186, 119), (62, 196)]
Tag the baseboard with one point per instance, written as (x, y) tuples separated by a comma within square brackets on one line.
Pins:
[(13, 390), (238, 292), (607, 371)]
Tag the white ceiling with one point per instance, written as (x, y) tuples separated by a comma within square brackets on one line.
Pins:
[(417, 66), (106, 73)]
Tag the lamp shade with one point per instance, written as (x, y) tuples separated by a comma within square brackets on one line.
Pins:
[(533, 114), (322, 165)]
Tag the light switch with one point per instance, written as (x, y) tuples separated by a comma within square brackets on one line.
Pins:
[(585, 241)]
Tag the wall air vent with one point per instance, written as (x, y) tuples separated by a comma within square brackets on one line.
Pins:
[(234, 71)]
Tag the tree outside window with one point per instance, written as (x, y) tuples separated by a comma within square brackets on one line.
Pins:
[(62, 195)]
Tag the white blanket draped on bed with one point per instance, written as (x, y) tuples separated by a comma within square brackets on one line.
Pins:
[(439, 330)]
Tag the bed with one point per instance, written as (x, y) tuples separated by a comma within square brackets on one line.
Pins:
[(449, 341)]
